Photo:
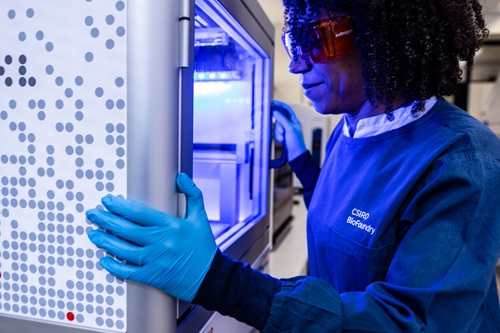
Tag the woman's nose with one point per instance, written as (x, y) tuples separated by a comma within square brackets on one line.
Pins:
[(300, 65)]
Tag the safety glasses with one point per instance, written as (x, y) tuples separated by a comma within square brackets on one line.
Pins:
[(322, 41)]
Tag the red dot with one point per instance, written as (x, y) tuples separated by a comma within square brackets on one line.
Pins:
[(70, 316), (0, 275)]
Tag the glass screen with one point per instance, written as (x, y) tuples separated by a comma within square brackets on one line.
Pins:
[(230, 86)]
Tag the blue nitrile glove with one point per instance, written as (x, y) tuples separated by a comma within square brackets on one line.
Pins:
[(288, 129), (163, 251)]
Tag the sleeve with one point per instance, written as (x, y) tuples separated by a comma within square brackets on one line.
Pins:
[(233, 288), (307, 171)]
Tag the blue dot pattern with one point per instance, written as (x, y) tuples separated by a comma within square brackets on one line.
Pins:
[(62, 147)]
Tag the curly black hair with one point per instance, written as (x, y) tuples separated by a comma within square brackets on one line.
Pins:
[(409, 49)]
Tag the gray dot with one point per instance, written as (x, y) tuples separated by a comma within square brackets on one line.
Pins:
[(69, 127), (110, 44), (120, 291), (99, 92), (110, 312), (120, 164), (89, 264), (30, 12), (3, 115), (50, 160), (120, 128), (49, 69), (70, 262), (11, 14), (59, 104), (110, 139), (120, 104), (79, 318), (110, 19), (68, 92), (41, 115), (89, 56), (79, 116), (89, 139), (89, 20), (49, 46), (12, 104), (99, 321), (78, 80), (110, 104), (79, 104), (120, 31), (79, 174), (22, 36), (89, 308), (41, 172), (120, 5)]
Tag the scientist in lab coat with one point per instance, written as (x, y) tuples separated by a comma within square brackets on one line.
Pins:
[(403, 221)]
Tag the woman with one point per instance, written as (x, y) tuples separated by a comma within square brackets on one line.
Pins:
[(403, 229)]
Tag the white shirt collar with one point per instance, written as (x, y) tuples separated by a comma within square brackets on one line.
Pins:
[(380, 124)]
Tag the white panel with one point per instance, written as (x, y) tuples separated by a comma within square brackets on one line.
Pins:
[(62, 147)]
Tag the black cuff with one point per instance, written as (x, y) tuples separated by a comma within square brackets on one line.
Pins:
[(233, 288)]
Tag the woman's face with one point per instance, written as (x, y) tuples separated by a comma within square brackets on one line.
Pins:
[(335, 86)]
